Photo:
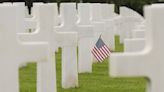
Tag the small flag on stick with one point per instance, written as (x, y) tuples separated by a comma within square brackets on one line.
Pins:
[(101, 50)]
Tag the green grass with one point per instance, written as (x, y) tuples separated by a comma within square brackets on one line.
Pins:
[(119, 46), (98, 81), (27, 78)]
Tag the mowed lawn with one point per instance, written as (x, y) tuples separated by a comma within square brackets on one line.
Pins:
[(98, 81)]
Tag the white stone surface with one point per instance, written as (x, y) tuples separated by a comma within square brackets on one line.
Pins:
[(13, 51), (99, 25), (67, 39), (141, 26), (134, 45), (137, 42), (30, 20), (108, 16), (96, 14), (9, 3), (69, 66), (107, 11), (124, 26), (102, 17), (46, 71), (148, 62), (84, 14), (110, 28), (68, 43), (30, 23), (85, 38), (129, 24), (68, 12), (138, 33)]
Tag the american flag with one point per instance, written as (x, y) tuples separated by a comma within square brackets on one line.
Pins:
[(101, 50)]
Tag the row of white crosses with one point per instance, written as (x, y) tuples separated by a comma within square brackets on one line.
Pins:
[(137, 42), (109, 24), (47, 37), (46, 14), (103, 22), (124, 24), (147, 62)]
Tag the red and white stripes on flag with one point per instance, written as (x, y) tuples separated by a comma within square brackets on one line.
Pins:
[(101, 50)]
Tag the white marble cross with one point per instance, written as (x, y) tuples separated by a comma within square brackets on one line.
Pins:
[(148, 62), (107, 11), (103, 18), (67, 39), (85, 38), (13, 51), (101, 26), (98, 24), (46, 71), (108, 16), (96, 14), (68, 43), (68, 12), (29, 23)]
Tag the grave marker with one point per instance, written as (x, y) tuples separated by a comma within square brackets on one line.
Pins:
[(67, 39), (15, 52), (149, 62), (85, 38), (46, 73), (108, 16), (98, 23), (107, 11), (30, 22)]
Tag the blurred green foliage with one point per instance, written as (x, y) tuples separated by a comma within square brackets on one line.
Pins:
[(136, 5)]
